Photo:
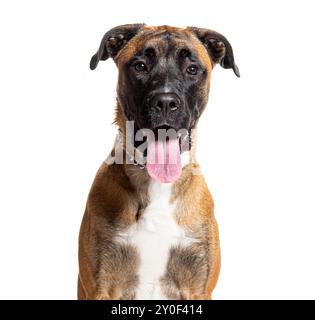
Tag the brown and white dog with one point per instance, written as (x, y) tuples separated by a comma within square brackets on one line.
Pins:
[(149, 231)]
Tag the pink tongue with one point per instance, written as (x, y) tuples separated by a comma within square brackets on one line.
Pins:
[(163, 160)]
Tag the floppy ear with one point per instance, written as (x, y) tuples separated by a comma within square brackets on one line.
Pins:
[(113, 41), (218, 47)]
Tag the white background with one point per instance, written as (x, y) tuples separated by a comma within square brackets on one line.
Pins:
[(256, 139)]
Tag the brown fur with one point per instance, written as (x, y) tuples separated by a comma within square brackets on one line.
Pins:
[(113, 205), (196, 268), (117, 199)]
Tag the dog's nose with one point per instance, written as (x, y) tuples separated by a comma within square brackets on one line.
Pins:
[(165, 102)]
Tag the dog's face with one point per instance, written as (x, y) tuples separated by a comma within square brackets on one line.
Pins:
[(164, 79), (164, 72)]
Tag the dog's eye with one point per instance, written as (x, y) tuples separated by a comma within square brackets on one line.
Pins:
[(140, 66), (192, 69)]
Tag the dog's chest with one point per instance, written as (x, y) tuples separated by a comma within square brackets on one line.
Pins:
[(154, 235)]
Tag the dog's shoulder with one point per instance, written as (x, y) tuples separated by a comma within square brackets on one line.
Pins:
[(109, 191)]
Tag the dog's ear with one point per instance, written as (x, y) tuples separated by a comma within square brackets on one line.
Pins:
[(218, 47), (113, 41)]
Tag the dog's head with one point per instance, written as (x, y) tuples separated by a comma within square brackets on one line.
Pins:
[(164, 81), (164, 72)]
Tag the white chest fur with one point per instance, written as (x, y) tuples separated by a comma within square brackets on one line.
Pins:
[(153, 236)]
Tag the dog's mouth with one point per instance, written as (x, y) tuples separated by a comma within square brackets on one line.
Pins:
[(164, 154)]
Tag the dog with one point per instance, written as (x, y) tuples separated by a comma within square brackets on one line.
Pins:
[(149, 231)]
